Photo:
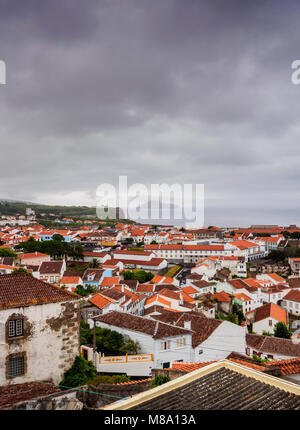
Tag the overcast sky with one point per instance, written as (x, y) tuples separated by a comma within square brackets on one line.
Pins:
[(163, 91)]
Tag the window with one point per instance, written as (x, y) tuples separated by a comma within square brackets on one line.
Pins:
[(16, 366), (15, 328), (165, 345), (270, 323), (180, 342)]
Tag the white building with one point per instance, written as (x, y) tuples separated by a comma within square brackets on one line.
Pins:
[(39, 330), (291, 302), (165, 342), (267, 316)]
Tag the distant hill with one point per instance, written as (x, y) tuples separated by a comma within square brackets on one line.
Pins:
[(13, 207)]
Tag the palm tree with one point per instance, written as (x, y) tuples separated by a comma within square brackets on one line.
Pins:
[(94, 263)]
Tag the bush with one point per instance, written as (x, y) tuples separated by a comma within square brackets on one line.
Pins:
[(139, 275), (108, 341), (7, 252), (282, 330), (259, 359), (79, 374), (85, 291), (107, 379), (172, 272), (159, 380)]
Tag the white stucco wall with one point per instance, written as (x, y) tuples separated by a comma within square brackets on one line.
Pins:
[(263, 325), (227, 337), (51, 346)]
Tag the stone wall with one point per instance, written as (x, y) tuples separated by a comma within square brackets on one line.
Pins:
[(85, 397), (170, 373), (49, 344), (111, 393), (63, 400)]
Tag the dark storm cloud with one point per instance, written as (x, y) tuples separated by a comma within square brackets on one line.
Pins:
[(162, 91)]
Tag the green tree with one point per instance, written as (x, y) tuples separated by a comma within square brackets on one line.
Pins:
[(282, 330), (140, 275), (76, 251), (94, 264), (277, 255), (85, 291), (58, 237), (21, 270), (131, 347), (108, 342), (7, 252), (79, 374)]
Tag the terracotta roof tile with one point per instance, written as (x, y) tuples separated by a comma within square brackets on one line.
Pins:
[(270, 310), (21, 289), (156, 329)]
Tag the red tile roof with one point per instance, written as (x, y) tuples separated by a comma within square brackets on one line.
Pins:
[(222, 296), (191, 366), (32, 255), (156, 329), (288, 367), (242, 297), (293, 295), (53, 267), (145, 288), (101, 301), (110, 281), (270, 310), (21, 289), (12, 394), (70, 280)]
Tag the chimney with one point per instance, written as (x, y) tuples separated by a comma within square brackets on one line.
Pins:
[(187, 325)]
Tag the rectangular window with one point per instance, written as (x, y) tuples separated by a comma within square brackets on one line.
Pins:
[(15, 328), (165, 345), (180, 342), (270, 323), (16, 366)]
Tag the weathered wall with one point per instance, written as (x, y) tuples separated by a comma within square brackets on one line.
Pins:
[(111, 393), (49, 344), (170, 373), (86, 397), (64, 400)]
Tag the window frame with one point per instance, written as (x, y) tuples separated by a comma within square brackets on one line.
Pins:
[(17, 365), (15, 329)]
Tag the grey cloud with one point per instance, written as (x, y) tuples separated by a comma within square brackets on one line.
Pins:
[(173, 91)]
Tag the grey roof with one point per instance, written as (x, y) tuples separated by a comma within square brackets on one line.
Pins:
[(223, 389)]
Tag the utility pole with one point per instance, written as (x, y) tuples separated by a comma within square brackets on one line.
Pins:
[(94, 344)]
